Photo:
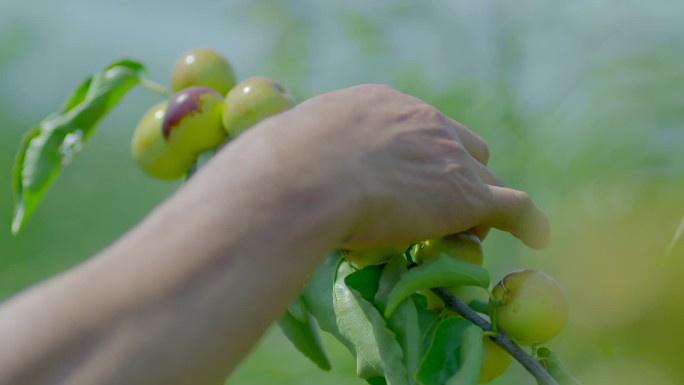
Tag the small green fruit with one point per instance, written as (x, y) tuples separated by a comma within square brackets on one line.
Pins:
[(253, 100), (203, 67), (464, 246), (363, 258), (531, 306), (193, 120), (434, 303), (152, 152), (495, 361)]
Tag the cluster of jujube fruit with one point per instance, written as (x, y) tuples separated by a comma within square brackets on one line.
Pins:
[(207, 108), (528, 305)]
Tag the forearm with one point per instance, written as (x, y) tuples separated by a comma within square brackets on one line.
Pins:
[(163, 304)]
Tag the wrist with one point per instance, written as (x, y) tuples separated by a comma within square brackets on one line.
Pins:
[(288, 161)]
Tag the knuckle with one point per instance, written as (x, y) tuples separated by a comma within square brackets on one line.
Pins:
[(484, 152), (376, 88), (429, 114), (456, 148), (432, 112), (522, 199)]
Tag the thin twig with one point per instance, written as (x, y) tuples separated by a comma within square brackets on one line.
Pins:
[(527, 361), (154, 86)]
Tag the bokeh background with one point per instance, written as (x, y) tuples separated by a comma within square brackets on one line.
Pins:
[(581, 101)]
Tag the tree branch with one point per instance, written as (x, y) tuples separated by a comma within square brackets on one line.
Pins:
[(527, 361)]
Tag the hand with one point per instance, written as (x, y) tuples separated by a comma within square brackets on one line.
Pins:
[(413, 173)]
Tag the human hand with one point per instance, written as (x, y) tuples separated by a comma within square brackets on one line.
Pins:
[(411, 172)]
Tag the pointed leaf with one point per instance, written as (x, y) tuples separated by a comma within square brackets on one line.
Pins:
[(376, 381), (61, 136), (549, 359), (428, 321), (298, 310), (362, 324), (304, 336), (442, 271), (317, 296), (404, 321), (470, 358), (442, 361), (365, 281)]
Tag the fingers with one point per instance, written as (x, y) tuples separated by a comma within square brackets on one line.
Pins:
[(475, 145), (509, 210), (513, 211), (479, 231), (486, 175)]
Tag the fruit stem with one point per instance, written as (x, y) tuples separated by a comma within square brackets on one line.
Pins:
[(494, 313), (527, 361), (154, 86)]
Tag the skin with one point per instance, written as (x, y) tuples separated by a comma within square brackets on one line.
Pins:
[(152, 152), (179, 304), (193, 120), (253, 100), (203, 67), (531, 308)]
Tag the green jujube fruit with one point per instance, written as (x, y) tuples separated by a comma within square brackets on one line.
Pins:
[(253, 100), (152, 152), (530, 306), (203, 67), (193, 120)]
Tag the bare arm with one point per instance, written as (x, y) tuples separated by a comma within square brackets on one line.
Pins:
[(182, 297)]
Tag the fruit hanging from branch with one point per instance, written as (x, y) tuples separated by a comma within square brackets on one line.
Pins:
[(193, 120), (203, 67), (530, 307), (253, 100), (152, 151)]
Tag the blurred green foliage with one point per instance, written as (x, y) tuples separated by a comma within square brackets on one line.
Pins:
[(582, 103)]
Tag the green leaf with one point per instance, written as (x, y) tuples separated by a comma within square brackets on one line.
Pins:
[(362, 324), (549, 359), (442, 271), (298, 310), (304, 336), (365, 281), (404, 321), (317, 296), (376, 381), (479, 306), (470, 358), (45, 150), (442, 361), (427, 321)]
